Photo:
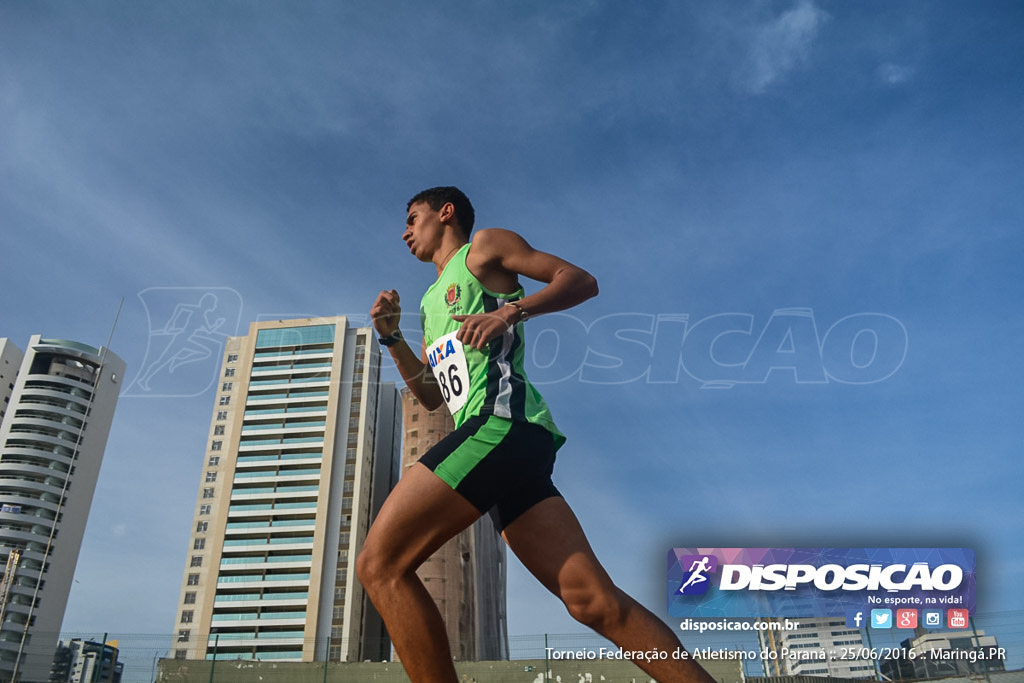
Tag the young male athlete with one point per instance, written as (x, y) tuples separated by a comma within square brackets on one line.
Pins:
[(500, 456)]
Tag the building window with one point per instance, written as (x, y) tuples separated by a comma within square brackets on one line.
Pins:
[(213, 461), (225, 400), (232, 357), (186, 617), (415, 417), (226, 386), (218, 430), (183, 635), (181, 654), (222, 414), (199, 544), (205, 509), (193, 579), (190, 598), (207, 493), (211, 477), (413, 451), (216, 445), (229, 372), (197, 561), (201, 527)]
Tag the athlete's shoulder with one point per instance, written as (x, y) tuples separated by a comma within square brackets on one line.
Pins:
[(488, 258), (490, 245), (496, 238)]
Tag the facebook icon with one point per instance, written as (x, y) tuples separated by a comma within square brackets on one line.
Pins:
[(854, 618)]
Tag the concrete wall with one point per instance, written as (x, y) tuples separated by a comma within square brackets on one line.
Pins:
[(516, 671)]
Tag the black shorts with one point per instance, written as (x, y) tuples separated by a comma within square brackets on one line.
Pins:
[(501, 466)]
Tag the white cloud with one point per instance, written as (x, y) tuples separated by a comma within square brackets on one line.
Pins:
[(895, 74), (781, 45)]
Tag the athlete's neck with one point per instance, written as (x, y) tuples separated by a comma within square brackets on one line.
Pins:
[(447, 250)]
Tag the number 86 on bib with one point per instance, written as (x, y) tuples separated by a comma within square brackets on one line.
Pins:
[(447, 360)]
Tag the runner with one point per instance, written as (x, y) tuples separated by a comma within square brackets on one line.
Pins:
[(500, 457)]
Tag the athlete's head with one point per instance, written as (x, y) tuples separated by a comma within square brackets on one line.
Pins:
[(437, 197)]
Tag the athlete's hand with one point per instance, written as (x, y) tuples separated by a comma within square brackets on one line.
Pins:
[(386, 313), (479, 329)]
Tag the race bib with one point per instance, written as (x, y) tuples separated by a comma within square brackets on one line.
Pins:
[(447, 359)]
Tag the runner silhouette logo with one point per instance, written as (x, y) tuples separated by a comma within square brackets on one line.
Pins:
[(696, 581)]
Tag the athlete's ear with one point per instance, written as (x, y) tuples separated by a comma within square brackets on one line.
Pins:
[(447, 212)]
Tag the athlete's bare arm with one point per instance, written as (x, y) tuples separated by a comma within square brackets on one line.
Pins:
[(386, 314), (498, 258)]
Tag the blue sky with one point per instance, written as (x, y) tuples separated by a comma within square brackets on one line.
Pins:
[(842, 171)]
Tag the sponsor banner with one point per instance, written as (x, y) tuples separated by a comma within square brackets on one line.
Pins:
[(818, 582)]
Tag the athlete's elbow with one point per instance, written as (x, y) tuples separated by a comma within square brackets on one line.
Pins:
[(431, 404), (431, 400), (588, 285)]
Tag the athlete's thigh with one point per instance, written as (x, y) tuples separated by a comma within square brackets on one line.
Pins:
[(420, 514), (550, 542)]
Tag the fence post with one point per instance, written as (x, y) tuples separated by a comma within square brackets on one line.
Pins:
[(547, 665), (213, 662)]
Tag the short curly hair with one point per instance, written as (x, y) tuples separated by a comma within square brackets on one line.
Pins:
[(436, 197)]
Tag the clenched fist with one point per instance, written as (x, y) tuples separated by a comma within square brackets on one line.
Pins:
[(386, 313)]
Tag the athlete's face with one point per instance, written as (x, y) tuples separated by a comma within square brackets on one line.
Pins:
[(423, 230)]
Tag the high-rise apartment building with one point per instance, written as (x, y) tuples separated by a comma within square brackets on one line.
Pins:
[(86, 661), (960, 653), (302, 450), (466, 577), (58, 404), (817, 647)]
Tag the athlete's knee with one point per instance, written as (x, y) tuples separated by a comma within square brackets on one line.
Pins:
[(597, 608), (365, 568), (372, 569)]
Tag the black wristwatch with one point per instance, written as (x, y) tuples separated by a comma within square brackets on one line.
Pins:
[(391, 339)]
